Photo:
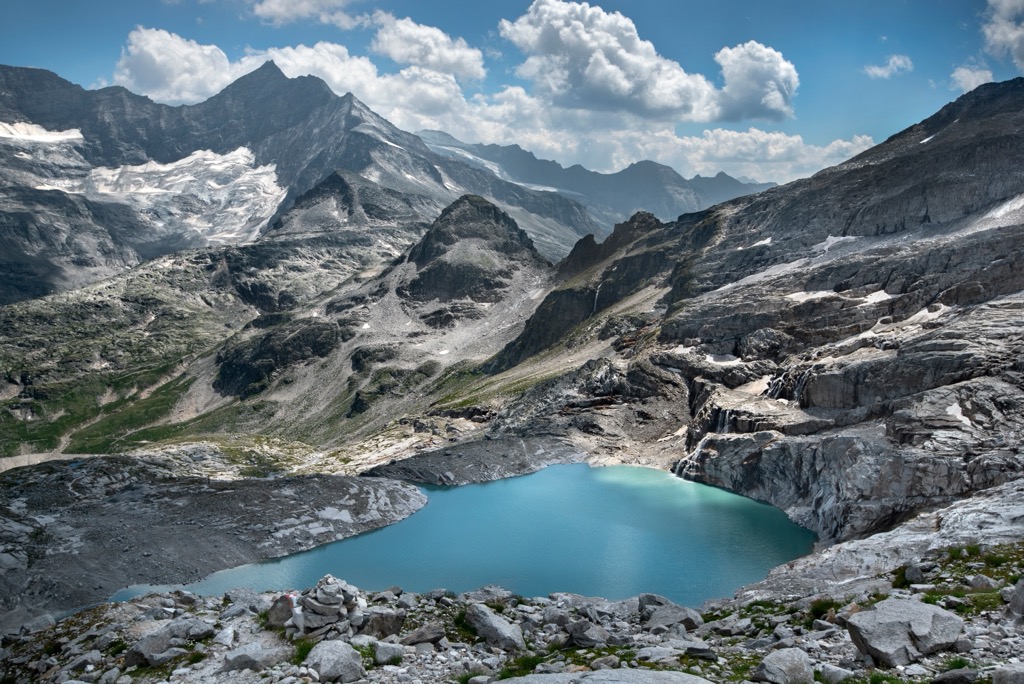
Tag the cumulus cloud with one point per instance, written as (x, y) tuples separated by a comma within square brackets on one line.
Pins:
[(172, 69), (407, 42), (1004, 31), (581, 56), (968, 78), (895, 65), (759, 83), (280, 12)]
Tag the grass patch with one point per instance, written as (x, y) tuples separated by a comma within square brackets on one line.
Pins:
[(521, 666), (123, 418), (955, 663), (302, 648)]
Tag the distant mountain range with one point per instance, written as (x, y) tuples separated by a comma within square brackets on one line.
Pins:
[(611, 197), (93, 182)]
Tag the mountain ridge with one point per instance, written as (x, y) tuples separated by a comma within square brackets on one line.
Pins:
[(642, 186)]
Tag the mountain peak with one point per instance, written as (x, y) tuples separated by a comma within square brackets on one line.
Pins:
[(472, 218), (472, 251)]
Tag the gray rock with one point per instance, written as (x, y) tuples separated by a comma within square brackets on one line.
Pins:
[(336, 661), (619, 676), (657, 611), (495, 629), (899, 631), (384, 652), (382, 622), (608, 662), (150, 648), (586, 634), (914, 574), (1009, 674), (280, 611), (785, 666), (1017, 600), (833, 674), (431, 632), (963, 675), (983, 582), (254, 656)]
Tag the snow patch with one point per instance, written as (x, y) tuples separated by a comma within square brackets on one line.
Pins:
[(723, 359), (875, 298), (831, 242), (29, 132), (926, 140), (759, 243), (777, 269), (808, 296), (444, 352), (956, 412), (224, 198)]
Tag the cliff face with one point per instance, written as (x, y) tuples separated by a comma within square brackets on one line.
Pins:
[(848, 344)]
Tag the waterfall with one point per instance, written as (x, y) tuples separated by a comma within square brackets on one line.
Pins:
[(775, 386), (596, 293), (688, 465), (801, 383), (724, 422)]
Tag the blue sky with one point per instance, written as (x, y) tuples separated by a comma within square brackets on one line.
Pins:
[(771, 90)]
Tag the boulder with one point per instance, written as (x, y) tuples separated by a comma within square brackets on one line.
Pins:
[(657, 610), (962, 675), (494, 629), (618, 676), (785, 666), (429, 633), (901, 631), (1009, 674), (382, 622), (254, 656), (1017, 599), (833, 674), (152, 648), (586, 634), (384, 652), (336, 661), (280, 611)]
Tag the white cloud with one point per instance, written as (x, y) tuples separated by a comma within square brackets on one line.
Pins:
[(169, 68), (280, 12), (172, 69), (407, 42), (580, 56), (966, 78), (759, 83), (1003, 30), (895, 65)]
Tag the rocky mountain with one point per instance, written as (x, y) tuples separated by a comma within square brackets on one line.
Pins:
[(94, 182), (612, 197), (846, 347)]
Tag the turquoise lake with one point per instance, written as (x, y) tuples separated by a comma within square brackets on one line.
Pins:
[(614, 532)]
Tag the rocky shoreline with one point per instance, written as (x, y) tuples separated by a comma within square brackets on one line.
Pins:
[(949, 617), (72, 533)]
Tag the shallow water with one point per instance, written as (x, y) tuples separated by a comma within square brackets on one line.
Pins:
[(614, 532)]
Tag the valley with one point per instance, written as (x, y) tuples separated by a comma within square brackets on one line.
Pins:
[(370, 313)]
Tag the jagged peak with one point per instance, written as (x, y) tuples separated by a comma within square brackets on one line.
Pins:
[(472, 217)]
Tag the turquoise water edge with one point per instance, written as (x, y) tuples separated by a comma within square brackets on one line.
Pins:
[(614, 532)]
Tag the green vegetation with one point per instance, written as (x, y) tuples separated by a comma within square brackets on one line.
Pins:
[(121, 418), (302, 648), (521, 666)]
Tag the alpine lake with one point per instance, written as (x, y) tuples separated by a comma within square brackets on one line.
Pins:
[(613, 531)]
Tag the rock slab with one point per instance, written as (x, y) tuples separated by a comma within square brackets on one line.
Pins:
[(901, 631), (336, 661)]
